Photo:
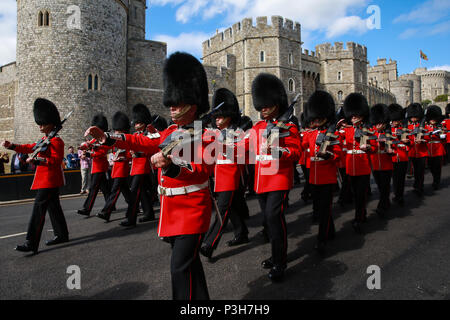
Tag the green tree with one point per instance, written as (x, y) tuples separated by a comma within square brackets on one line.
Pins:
[(441, 98)]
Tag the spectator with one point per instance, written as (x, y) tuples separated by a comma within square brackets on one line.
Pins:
[(73, 161), (4, 158), (85, 166), (18, 163)]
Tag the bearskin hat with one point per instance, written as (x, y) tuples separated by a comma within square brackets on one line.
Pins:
[(45, 112), (245, 123), (230, 108), (379, 113), (159, 122), (396, 112), (141, 114), (121, 122), (355, 104), (320, 105), (414, 110), (269, 91), (185, 82), (303, 123), (434, 113), (99, 120), (447, 110)]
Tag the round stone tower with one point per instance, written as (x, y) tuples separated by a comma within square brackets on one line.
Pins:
[(72, 52)]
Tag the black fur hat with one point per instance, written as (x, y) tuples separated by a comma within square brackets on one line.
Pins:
[(45, 112), (355, 104), (320, 105), (396, 112), (379, 113), (269, 91), (245, 123), (159, 122), (434, 113), (414, 110), (121, 122), (100, 121), (141, 114), (230, 108), (185, 82), (303, 123), (447, 111)]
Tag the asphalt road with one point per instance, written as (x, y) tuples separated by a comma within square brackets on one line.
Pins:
[(411, 248)]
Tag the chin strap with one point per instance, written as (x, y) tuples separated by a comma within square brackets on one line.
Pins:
[(182, 112)]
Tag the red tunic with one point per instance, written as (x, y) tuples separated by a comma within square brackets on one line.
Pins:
[(322, 171), (141, 160), (357, 161), (180, 214), (273, 174), (99, 157), (401, 149), (417, 150), (380, 159), (121, 168), (343, 149), (436, 145), (446, 125), (50, 174)]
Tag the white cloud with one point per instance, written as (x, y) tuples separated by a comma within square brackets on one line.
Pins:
[(347, 24), (8, 17), (444, 67), (428, 12), (188, 42)]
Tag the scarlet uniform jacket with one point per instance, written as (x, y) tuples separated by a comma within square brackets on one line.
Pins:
[(380, 159), (357, 161), (417, 150), (272, 174), (99, 157), (401, 149), (121, 168), (141, 160), (343, 149), (306, 151), (436, 145), (49, 174), (180, 214), (321, 171), (446, 125)]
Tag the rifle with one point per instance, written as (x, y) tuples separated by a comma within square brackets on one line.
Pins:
[(324, 140), (388, 137), (42, 145), (419, 132), (364, 135)]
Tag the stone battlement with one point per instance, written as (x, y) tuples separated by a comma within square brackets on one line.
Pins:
[(309, 55), (352, 51), (279, 27)]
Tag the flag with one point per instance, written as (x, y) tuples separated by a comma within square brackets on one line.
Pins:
[(423, 55)]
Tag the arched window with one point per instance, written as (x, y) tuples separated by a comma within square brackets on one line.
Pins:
[(262, 57), (339, 76), (340, 96), (291, 59), (40, 19), (291, 85), (90, 82), (47, 18), (96, 82)]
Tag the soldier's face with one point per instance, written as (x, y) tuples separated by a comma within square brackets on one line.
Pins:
[(183, 114), (223, 122), (356, 119), (139, 126), (268, 113), (46, 128), (317, 123), (396, 123), (433, 122)]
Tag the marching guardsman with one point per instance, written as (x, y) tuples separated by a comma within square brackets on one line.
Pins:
[(305, 160), (358, 145), (324, 155), (48, 178), (183, 185), (400, 157), (418, 151), (436, 145), (228, 175), (100, 166), (446, 126), (140, 171), (381, 158), (274, 164), (120, 170), (345, 194)]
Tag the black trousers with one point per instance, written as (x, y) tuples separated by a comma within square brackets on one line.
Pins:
[(306, 193), (98, 182), (398, 179), (140, 192), (345, 194), (419, 173), (119, 185), (229, 206), (273, 205), (323, 203), (188, 277), (435, 164), (383, 181), (46, 199), (360, 187), (447, 157)]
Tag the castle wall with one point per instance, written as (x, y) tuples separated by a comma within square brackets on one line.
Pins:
[(383, 73), (403, 91), (54, 62), (8, 86), (434, 83)]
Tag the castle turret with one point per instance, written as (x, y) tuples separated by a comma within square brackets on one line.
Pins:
[(74, 54), (136, 19)]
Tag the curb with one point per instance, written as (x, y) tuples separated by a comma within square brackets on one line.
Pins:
[(31, 200)]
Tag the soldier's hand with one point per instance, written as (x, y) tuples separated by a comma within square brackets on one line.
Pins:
[(340, 123), (159, 161), (6, 144), (96, 133), (151, 129), (364, 147)]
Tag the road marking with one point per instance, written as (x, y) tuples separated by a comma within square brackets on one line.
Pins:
[(18, 234)]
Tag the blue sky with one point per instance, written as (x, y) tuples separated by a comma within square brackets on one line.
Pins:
[(406, 26)]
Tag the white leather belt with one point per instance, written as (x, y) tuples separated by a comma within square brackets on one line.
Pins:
[(225, 161), (317, 159), (401, 145), (169, 192), (153, 135), (435, 142), (356, 152), (264, 157)]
